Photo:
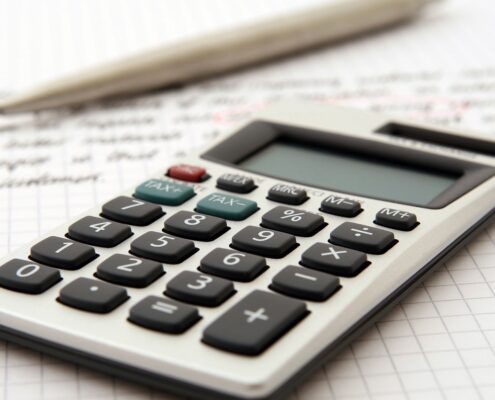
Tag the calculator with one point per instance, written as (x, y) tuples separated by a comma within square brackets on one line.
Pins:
[(237, 271)]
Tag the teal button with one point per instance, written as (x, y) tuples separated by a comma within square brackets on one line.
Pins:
[(226, 206), (164, 192)]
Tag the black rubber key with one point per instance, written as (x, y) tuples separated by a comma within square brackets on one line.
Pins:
[(362, 237), (162, 247), (99, 231), (340, 206), (27, 277), (231, 264), (131, 211), (396, 219), (263, 242), (291, 220), (305, 284), (164, 315), (235, 183), (62, 253), (334, 259), (254, 323), (92, 295), (196, 288), (195, 226), (288, 194), (127, 270)]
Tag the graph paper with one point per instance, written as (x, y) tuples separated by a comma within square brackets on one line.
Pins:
[(438, 343)]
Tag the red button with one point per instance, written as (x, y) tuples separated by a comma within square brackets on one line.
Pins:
[(185, 172)]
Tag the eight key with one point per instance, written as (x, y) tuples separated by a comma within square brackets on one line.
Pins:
[(195, 226)]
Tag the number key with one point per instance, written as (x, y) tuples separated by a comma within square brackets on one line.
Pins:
[(294, 221), (200, 289), (263, 242), (163, 248), (25, 276), (131, 211), (195, 226), (99, 232)]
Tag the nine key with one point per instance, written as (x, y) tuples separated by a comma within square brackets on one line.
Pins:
[(99, 232), (131, 211), (195, 226), (254, 323), (163, 248), (294, 221), (263, 242), (25, 276), (62, 253)]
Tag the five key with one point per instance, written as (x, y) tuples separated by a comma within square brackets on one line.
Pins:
[(162, 247)]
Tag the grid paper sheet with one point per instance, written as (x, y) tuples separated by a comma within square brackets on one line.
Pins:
[(437, 344)]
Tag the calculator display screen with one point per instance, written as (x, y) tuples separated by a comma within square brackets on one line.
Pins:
[(348, 172)]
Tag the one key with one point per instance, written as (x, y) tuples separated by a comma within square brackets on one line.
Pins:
[(287, 194), (294, 221), (163, 248), (131, 211), (362, 237), (92, 295), (227, 206), (127, 270), (334, 259), (196, 288), (254, 323), (27, 277), (195, 226), (188, 173), (231, 264), (396, 219), (164, 315), (99, 232), (263, 242), (164, 192), (305, 284), (236, 183), (62, 253), (337, 205)]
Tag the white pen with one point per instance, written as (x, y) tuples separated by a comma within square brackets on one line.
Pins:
[(217, 53)]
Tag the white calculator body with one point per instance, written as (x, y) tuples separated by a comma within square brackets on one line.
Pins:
[(237, 271)]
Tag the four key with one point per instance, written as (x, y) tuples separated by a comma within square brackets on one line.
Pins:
[(334, 259), (99, 232), (162, 247), (62, 253), (164, 315), (195, 226), (263, 242), (92, 295), (254, 323), (196, 288), (294, 221), (231, 264), (131, 211), (305, 284), (28, 277), (362, 237), (126, 270)]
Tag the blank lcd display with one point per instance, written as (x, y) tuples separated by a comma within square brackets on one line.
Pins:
[(349, 172)]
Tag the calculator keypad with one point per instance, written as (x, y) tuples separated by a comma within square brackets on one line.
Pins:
[(226, 206), (131, 211), (127, 270), (362, 237), (165, 192), (254, 323), (337, 205), (99, 232), (162, 247), (288, 194), (396, 219), (162, 314), (334, 259), (294, 221), (263, 242), (305, 284), (195, 226), (62, 253), (231, 264), (28, 277), (92, 295), (196, 288)]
